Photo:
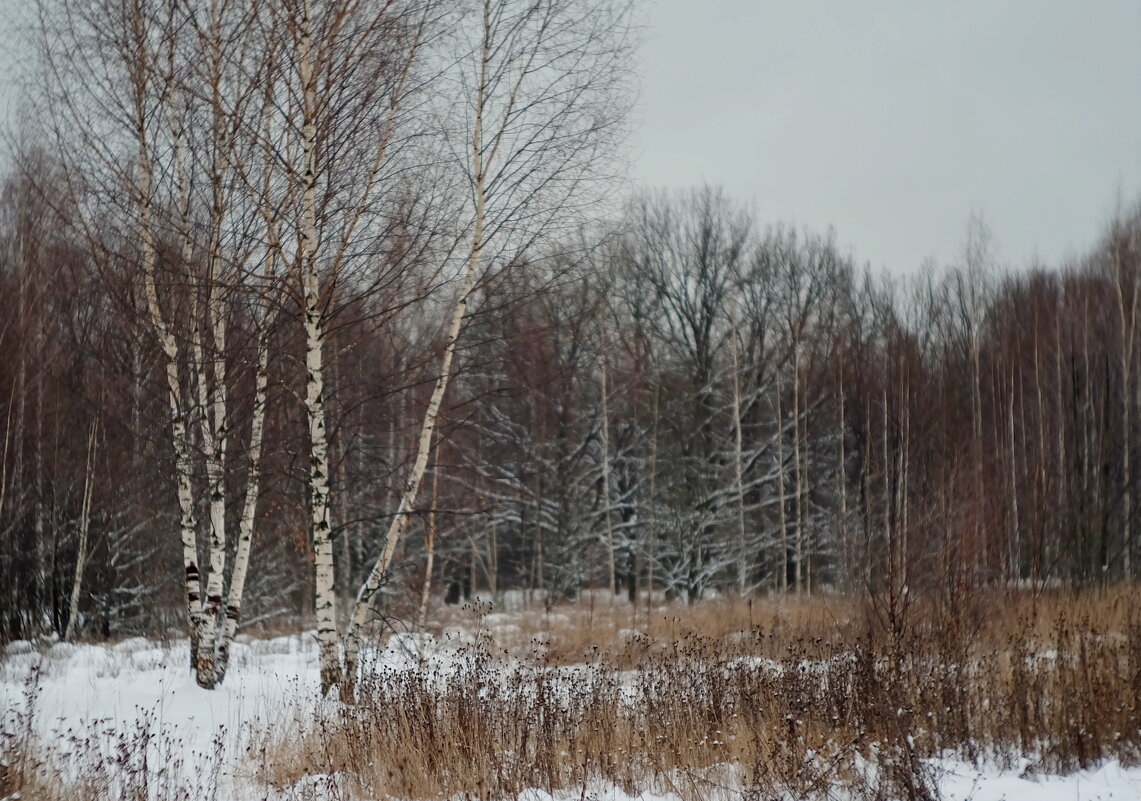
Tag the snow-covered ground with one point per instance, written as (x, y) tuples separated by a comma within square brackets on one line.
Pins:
[(88, 700)]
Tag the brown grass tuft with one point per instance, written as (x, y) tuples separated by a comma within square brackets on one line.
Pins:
[(798, 698)]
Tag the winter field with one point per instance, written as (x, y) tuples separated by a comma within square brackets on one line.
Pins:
[(1002, 698)]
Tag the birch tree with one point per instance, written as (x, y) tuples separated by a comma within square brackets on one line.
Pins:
[(352, 73), (84, 529), (156, 99), (542, 86)]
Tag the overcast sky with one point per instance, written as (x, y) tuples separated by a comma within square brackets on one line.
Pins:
[(891, 120)]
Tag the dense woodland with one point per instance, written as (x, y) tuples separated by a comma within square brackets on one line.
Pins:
[(696, 403), (668, 396)]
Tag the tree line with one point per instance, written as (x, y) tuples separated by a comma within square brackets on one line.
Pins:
[(318, 308), (718, 406)]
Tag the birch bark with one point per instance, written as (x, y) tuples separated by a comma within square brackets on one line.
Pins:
[(324, 579), (429, 544), (84, 526)]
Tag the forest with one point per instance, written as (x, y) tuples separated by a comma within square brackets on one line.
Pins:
[(217, 356), (370, 433)]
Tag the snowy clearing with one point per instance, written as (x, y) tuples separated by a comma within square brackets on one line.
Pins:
[(110, 705)]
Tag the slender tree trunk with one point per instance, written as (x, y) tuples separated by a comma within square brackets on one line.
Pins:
[(1089, 459), (866, 476), (534, 524), (429, 544), (20, 389), (84, 526), (11, 602), (1063, 489), (473, 570), (205, 656), (889, 530), (21, 386), (249, 508), (400, 519), (1126, 474), (203, 635), (652, 516), (180, 434), (538, 580), (493, 561), (738, 469), (798, 504), (405, 508), (782, 526), (42, 603), (325, 600), (606, 486), (1127, 315), (842, 481), (1040, 480), (1012, 571), (905, 466)]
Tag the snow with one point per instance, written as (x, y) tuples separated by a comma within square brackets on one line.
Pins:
[(89, 698), (960, 782)]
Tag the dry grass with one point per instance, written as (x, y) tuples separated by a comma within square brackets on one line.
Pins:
[(819, 697), (791, 699), (574, 633)]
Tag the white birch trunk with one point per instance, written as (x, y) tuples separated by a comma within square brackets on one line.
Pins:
[(203, 655), (1040, 486), (84, 526), (178, 428), (325, 601), (21, 386), (213, 397), (781, 521), (403, 511), (1013, 570), (214, 444), (249, 510), (606, 485), (39, 528), (214, 418), (652, 548), (738, 471), (202, 636), (888, 499), (1063, 485), (1127, 314), (379, 569), (904, 472), (842, 482), (796, 466), (429, 545)]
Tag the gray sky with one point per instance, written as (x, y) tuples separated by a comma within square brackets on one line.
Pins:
[(894, 120), (891, 120)]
